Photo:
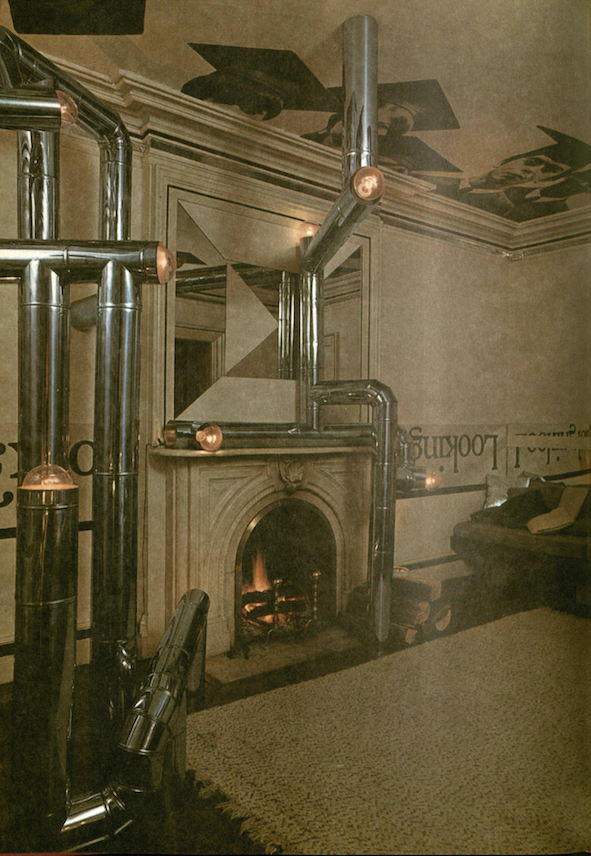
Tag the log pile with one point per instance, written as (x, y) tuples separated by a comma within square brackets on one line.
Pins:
[(418, 608)]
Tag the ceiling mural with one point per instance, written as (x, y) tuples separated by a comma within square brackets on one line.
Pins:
[(488, 102), (522, 186)]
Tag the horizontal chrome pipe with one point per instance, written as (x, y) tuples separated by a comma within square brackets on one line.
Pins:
[(153, 730), (36, 110), (46, 587), (147, 260), (236, 435), (382, 527)]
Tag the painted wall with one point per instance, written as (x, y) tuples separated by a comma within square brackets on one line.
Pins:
[(475, 347)]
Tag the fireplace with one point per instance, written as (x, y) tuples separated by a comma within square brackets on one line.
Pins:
[(301, 511), (285, 573)]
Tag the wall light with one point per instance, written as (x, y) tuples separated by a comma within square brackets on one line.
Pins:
[(48, 477), (368, 185), (207, 435)]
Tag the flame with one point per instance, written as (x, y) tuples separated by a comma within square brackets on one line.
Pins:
[(260, 580)]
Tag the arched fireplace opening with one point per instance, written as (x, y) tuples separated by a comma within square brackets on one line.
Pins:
[(285, 573)]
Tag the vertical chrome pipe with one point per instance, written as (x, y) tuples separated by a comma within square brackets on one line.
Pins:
[(38, 185), (44, 663), (360, 83), (311, 337), (115, 476), (115, 185), (288, 330), (43, 332), (382, 524)]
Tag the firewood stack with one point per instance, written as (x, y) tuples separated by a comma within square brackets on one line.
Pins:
[(418, 608)]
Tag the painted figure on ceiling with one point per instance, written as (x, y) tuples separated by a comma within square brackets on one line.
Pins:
[(531, 184)]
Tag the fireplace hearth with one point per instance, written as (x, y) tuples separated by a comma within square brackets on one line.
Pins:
[(301, 516), (285, 573)]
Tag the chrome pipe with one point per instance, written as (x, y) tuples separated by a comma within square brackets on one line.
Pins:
[(36, 110), (84, 313), (114, 497), (43, 403), (360, 84), (382, 526), (38, 185), (44, 663), (153, 731), (347, 212), (148, 260), (288, 329), (237, 435), (360, 141), (20, 63), (311, 337)]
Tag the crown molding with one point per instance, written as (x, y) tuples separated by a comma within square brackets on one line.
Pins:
[(160, 117)]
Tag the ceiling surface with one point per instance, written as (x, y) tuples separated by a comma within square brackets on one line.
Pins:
[(506, 66)]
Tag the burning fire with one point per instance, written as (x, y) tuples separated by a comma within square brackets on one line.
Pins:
[(260, 580)]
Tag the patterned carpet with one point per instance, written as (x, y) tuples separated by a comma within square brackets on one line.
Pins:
[(474, 743)]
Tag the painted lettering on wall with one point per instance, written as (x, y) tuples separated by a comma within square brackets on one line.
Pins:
[(551, 448), (461, 454)]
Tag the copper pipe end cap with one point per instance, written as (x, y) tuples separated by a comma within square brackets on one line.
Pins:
[(68, 109), (165, 263)]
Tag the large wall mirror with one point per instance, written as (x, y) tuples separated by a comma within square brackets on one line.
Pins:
[(223, 348)]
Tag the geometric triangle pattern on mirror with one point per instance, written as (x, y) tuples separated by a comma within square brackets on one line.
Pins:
[(248, 321)]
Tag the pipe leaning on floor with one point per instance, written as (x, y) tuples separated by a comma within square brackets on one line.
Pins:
[(151, 744)]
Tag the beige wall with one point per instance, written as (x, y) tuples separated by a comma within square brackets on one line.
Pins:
[(469, 342)]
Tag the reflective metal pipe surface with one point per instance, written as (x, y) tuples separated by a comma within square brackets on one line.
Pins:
[(31, 110), (46, 587), (43, 332), (20, 63), (85, 259), (360, 84), (288, 330), (382, 525), (116, 437), (153, 731)]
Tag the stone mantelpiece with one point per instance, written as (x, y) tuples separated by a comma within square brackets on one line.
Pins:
[(211, 498)]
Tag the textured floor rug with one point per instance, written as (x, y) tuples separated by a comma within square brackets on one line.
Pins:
[(474, 743)]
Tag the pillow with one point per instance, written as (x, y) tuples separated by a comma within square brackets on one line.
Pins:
[(515, 511), (498, 487), (564, 514)]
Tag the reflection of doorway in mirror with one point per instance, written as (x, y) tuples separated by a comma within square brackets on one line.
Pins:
[(192, 371)]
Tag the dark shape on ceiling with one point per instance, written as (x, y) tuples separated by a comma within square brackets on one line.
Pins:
[(78, 17), (531, 184), (410, 154), (424, 100), (259, 81)]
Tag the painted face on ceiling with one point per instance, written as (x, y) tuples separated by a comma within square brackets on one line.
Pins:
[(525, 171)]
